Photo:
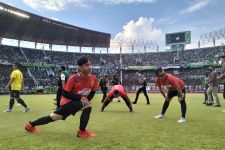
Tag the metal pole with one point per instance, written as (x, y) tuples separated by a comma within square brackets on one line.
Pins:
[(121, 64)]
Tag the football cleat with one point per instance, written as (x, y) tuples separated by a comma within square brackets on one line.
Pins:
[(182, 120), (27, 109), (85, 134), (159, 116), (31, 129), (8, 110)]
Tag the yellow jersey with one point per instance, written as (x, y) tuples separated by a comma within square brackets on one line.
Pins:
[(18, 78)]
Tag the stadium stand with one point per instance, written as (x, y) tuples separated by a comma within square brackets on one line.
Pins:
[(192, 65)]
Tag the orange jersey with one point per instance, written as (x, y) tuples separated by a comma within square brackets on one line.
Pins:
[(121, 90), (79, 85), (170, 82)]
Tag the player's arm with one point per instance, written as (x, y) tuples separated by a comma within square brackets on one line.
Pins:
[(63, 78), (22, 85), (221, 77), (63, 83), (91, 95), (10, 82), (93, 89), (179, 91), (209, 81), (108, 98), (161, 91), (213, 78), (71, 96)]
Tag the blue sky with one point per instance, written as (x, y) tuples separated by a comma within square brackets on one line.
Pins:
[(133, 19)]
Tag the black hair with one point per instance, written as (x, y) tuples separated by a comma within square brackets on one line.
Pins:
[(83, 60), (116, 92), (63, 68), (17, 64), (223, 56), (211, 68), (158, 70)]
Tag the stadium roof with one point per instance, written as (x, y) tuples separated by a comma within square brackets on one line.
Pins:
[(22, 25)]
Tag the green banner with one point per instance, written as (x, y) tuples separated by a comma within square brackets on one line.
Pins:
[(141, 67), (203, 64), (28, 64)]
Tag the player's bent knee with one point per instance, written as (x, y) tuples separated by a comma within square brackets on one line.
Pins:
[(88, 109), (182, 102), (56, 116)]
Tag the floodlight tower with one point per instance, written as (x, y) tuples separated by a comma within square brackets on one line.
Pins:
[(212, 37), (132, 42), (118, 41), (144, 43)]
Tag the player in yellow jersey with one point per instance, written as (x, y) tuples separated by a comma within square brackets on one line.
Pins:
[(16, 85)]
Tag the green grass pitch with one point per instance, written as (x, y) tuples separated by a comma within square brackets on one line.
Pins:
[(117, 128)]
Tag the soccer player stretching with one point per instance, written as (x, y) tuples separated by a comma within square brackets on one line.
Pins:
[(176, 87), (78, 92), (115, 92)]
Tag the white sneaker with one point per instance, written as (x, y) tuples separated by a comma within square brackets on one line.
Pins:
[(8, 110), (27, 109), (223, 110), (182, 120), (160, 116)]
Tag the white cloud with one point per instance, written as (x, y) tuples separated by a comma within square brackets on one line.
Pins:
[(141, 29), (199, 4), (136, 32), (58, 5)]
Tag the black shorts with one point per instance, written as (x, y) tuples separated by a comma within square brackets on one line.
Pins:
[(104, 89), (69, 108), (171, 93), (143, 88), (15, 94)]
